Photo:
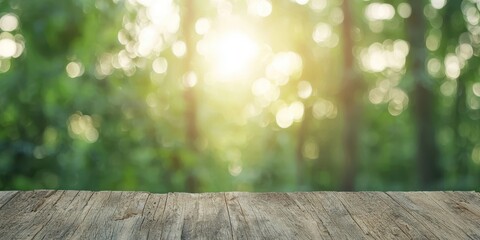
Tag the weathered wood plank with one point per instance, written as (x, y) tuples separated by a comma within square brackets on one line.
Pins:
[(371, 213), (97, 221), (404, 220), (152, 214), (465, 213), (116, 215), (172, 219), (465, 202), (430, 214), (21, 210), (469, 201), (270, 216), (129, 214), (332, 214), (195, 216), (206, 217), (67, 215), (41, 216), (6, 196), (240, 227), (307, 215)]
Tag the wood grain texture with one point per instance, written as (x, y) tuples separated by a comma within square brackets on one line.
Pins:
[(152, 213), (372, 215), (336, 220), (270, 215), (461, 211), (47, 214), (431, 214), (6, 196)]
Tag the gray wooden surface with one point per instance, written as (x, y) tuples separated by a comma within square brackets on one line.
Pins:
[(46, 214)]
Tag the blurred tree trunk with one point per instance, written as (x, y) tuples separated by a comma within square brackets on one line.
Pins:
[(351, 107), (451, 30), (461, 156), (189, 92), (423, 99), (302, 136), (310, 74)]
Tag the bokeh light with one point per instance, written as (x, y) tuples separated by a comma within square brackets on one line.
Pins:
[(82, 127), (8, 22), (74, 69)]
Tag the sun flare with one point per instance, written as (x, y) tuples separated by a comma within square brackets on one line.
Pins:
[(233, 53)]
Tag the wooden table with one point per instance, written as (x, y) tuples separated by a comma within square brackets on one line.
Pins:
[(45, 214)]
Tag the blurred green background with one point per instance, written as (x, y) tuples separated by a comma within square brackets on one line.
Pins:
[(230, 95)]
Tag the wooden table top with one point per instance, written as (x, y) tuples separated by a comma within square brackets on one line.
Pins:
[(46, 214)]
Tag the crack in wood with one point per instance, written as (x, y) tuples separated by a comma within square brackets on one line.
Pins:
[(9, 199), (412, 215), (354, 220), (446, 210), (228, 212)]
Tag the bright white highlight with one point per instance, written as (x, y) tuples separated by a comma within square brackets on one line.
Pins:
[(232, 53)]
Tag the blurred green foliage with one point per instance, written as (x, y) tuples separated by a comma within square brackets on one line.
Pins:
[(92, 94)]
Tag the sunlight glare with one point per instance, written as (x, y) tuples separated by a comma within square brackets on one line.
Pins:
[(380, 56), (232, 53), (202, 26), (318, 5), (297, 109), (190, 79), (304, 89), (261, 8), (148, 38), (224, 8), (283, 66), (261, 87), (322, 32), (379, 11), (179, 48), (164, 14), (301, 2), (287, 115), (284, 118), (160, 65), (8, 47)]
